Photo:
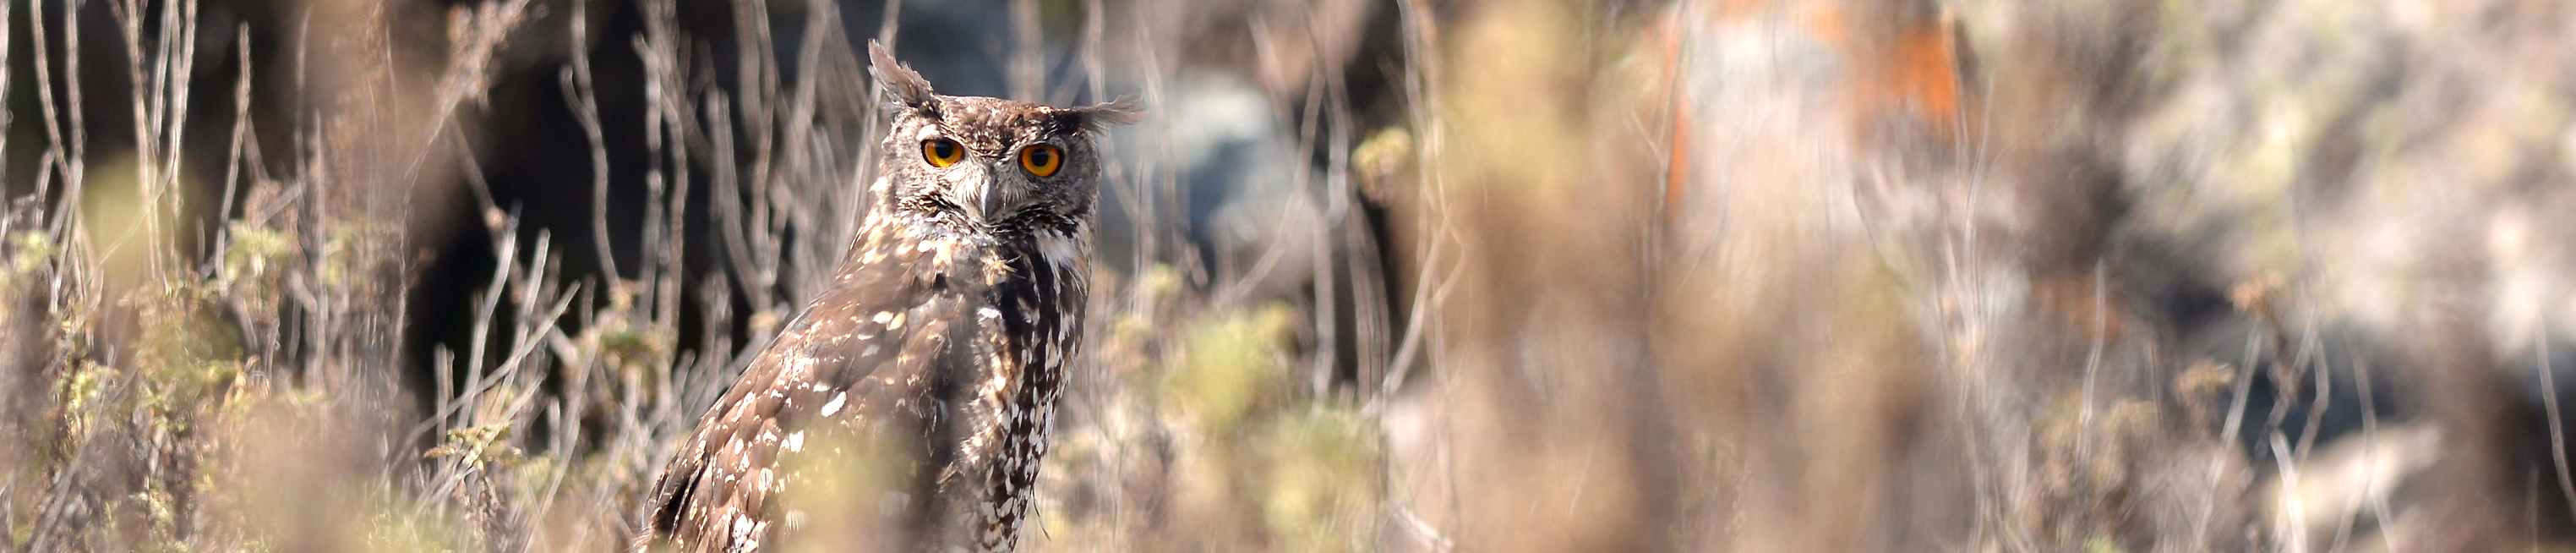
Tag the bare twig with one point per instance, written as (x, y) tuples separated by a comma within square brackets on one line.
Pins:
[(583, 96), (1028, 55), (2549, 400), (232, 158)]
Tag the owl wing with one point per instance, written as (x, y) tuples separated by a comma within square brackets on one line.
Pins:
[(866, 352)]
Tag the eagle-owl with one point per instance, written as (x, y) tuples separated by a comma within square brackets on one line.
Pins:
[(947, 328)]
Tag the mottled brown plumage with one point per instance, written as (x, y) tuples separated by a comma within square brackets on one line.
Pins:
[(948, 328)]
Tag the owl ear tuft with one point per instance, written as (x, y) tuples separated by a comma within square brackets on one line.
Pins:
[(1101, 116), (901, 87)]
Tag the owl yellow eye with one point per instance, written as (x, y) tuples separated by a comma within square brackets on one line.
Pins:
[(942, 152), (1041, 160)]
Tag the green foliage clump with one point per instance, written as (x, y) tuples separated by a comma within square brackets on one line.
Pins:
[(1228, 365), (1322, 479)]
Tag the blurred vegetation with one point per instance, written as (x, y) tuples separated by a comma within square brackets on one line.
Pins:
[(1513, 275)]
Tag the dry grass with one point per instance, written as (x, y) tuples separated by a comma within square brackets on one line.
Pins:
[(1519, 275)]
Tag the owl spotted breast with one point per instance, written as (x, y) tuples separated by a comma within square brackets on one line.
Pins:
[(947, 330)]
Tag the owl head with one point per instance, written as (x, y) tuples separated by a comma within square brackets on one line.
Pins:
[(986, 167)]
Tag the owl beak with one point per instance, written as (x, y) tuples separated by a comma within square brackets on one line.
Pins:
[(991, 202), (978, 196)]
